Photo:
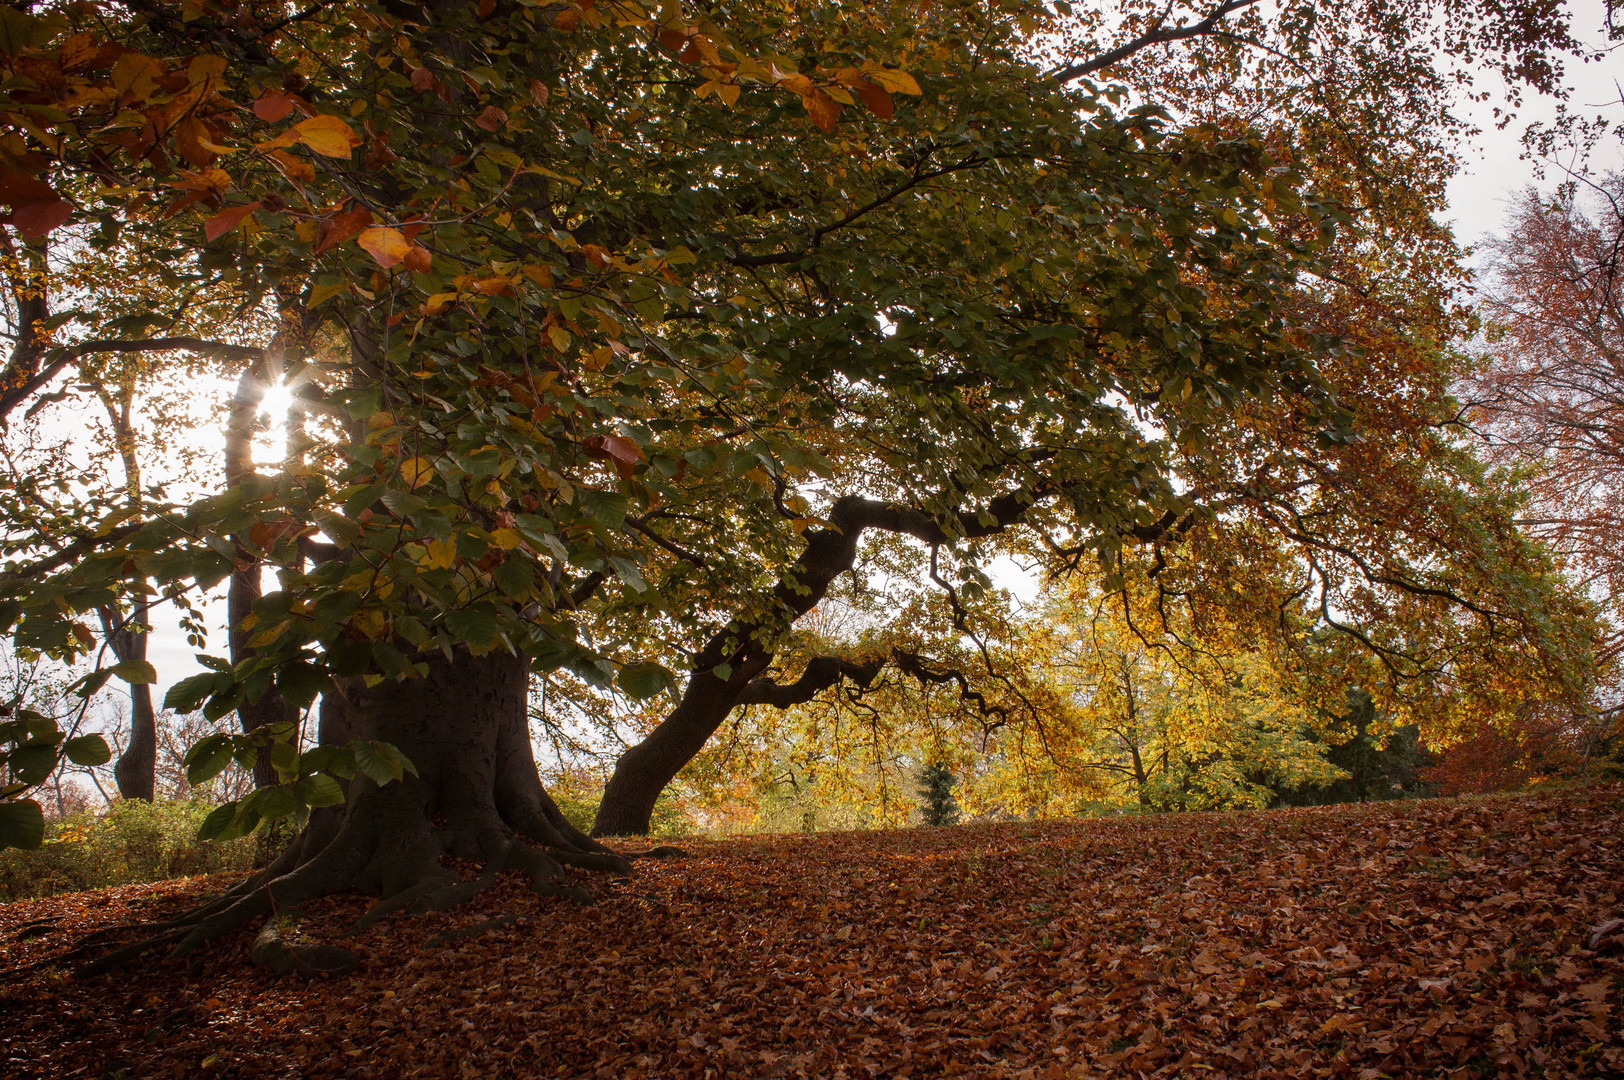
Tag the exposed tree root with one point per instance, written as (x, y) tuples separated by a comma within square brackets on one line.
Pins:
[(278, 949)]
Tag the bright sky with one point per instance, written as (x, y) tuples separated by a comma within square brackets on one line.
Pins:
[(1494, 171)]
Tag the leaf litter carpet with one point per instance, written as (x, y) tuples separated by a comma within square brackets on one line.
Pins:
[(1450, 938)]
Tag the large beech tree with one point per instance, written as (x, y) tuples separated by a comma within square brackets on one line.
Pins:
[(617, 330)]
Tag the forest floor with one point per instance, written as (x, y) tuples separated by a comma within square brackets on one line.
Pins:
[(1447, 938)]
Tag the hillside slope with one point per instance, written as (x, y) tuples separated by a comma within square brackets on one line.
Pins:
[(1437, 938)]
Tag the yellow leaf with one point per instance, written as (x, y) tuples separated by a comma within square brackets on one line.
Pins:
[(893, 79), (326, 135), (729, 93), (507, 539), (320, 294), (329, 136), (387, 246), (440, 555), (416, 471)]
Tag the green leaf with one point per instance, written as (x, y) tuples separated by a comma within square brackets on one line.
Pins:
[(217, 822), (639, 681), (339, 761), (208, 758), (319, 790), (87, 750), (475, 625), (22, 824), (136, 672), (285, 759), (402, 503), (32, 764), (270, 803), (381, 762), (191, 692), (93, 682), (299, 683)]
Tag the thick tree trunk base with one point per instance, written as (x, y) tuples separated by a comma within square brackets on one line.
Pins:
[(477, 797)]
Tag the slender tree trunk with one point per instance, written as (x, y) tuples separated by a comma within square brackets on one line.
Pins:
[(244, 588), (136, 771), (137, 767)]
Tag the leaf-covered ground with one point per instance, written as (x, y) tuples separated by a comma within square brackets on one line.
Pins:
[(1444, 938)]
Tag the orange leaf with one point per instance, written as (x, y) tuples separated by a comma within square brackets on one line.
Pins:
[(566, 19), (486, 8), (823, 109), (296, 169), (272, 106), (190, 137), (228, 219), (491, 119), (387, 246), (417, 260)]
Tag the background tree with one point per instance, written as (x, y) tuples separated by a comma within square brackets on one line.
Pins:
[(1545, 398)]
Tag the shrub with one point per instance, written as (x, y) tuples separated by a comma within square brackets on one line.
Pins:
[(936, 785), (134, 842)]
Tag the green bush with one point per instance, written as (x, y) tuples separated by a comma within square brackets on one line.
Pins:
[(133, 842)]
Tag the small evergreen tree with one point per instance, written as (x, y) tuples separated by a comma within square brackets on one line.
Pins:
[(936, 794)]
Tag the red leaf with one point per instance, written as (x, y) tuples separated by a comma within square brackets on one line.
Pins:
[(34, 220), (18, 188), (340, 228), (227, 219)]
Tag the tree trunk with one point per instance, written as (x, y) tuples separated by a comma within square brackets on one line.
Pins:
[(644, 770), (476, 796)]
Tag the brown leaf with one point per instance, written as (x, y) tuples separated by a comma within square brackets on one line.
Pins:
[(876, 98)]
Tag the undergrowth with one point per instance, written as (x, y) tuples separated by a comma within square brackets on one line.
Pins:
[(132, 843)]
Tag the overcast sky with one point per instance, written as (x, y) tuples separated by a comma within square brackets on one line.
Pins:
[(1494, 167)]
